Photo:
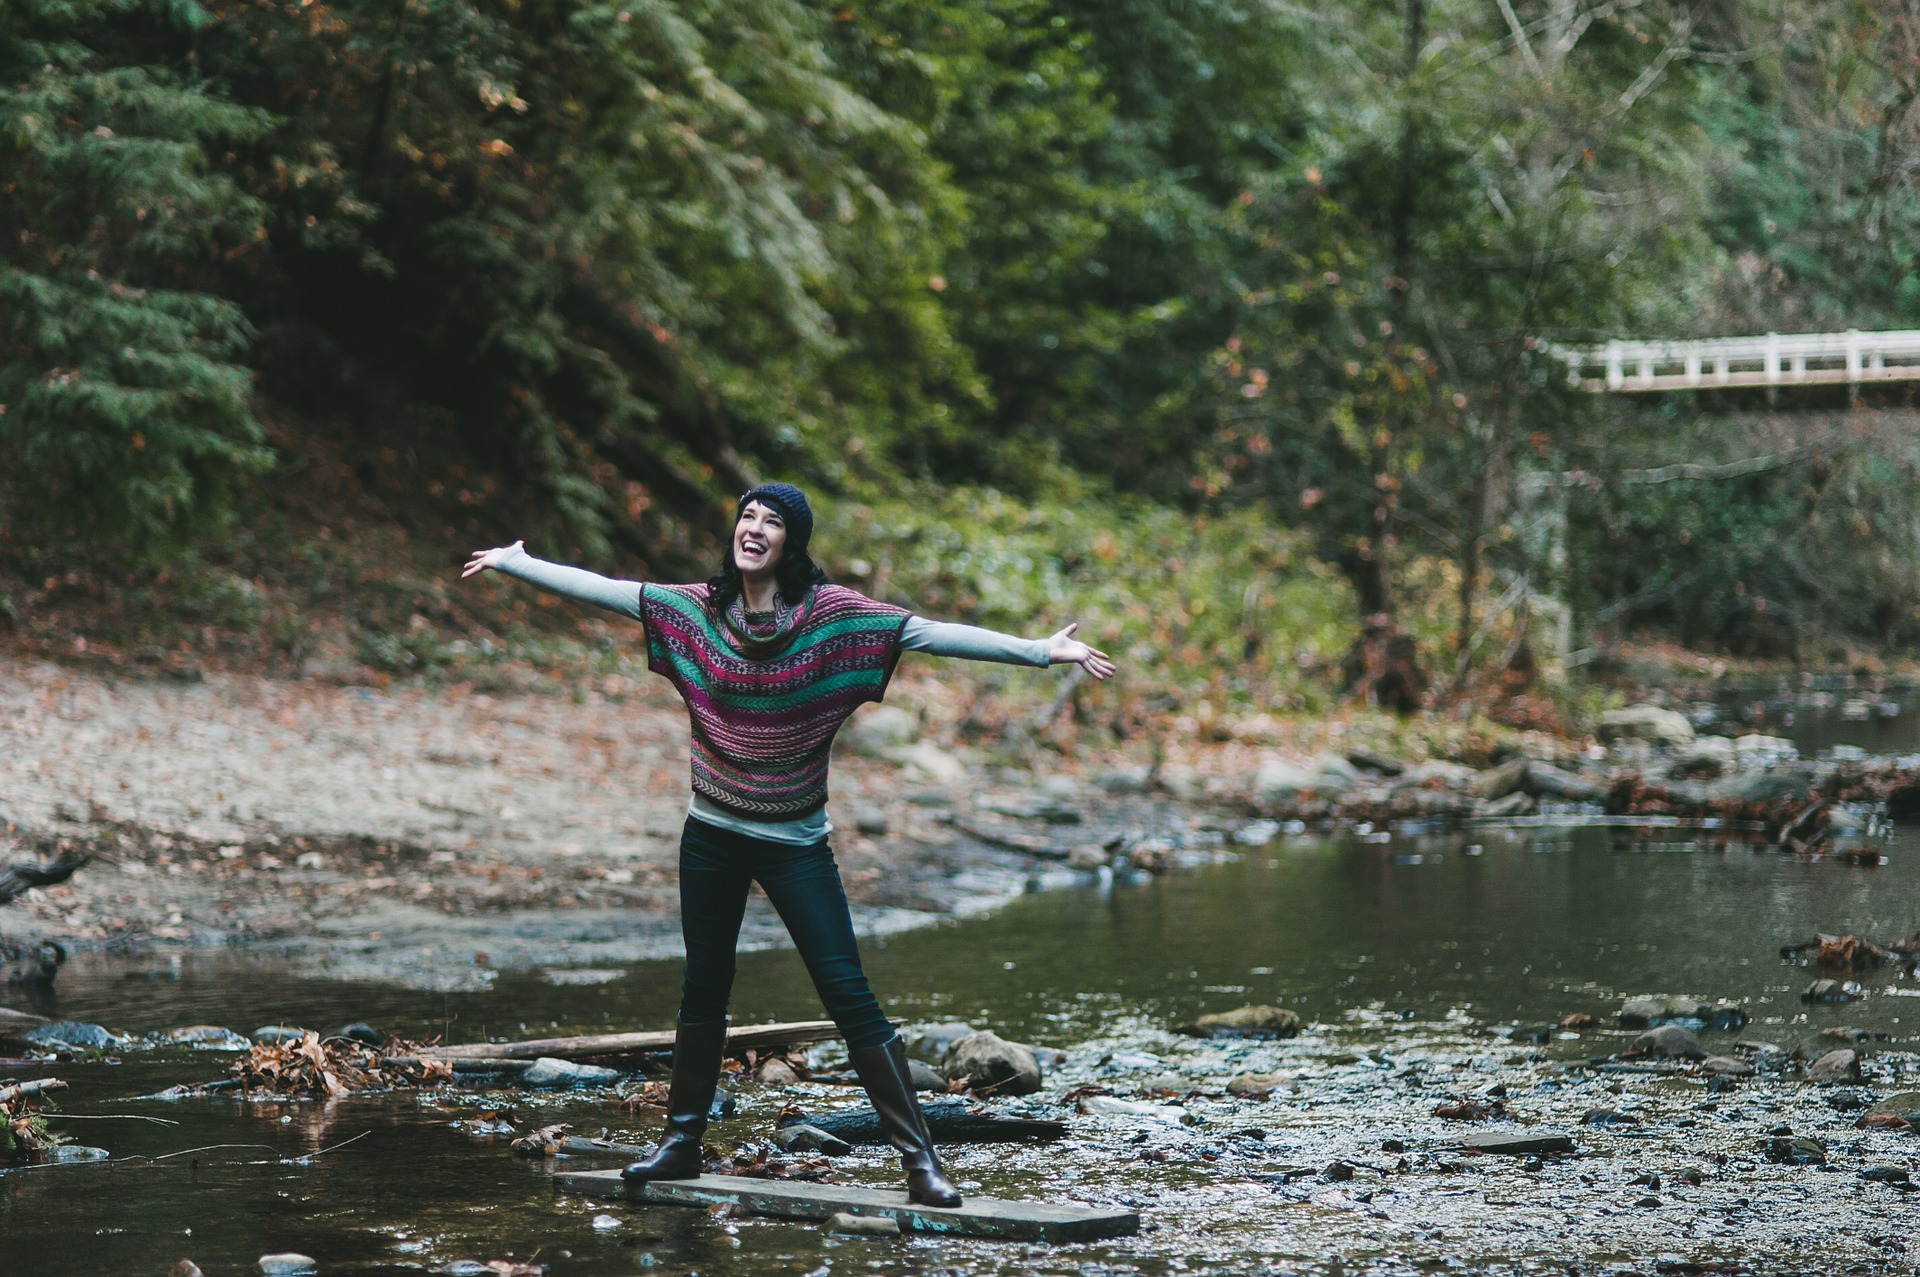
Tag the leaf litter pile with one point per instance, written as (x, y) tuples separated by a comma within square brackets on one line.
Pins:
[(335, 1066), (24, 1137)]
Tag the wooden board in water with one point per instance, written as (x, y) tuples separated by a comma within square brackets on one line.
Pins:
[(792, 1199)]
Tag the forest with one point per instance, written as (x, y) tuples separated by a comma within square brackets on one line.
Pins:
[(1234, 320)]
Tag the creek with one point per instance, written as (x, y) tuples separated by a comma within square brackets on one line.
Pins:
[(1421, 963)]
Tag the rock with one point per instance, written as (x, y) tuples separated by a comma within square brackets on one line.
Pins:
[(878, 731), (1831, 991), (1842, 1065), (1651, 1010), (1436, 773), (1182, 783), (1709, 756), (1648, 723), (847, 1225), (1368, 761), (774, 1071), (1113, 1106), (1904, 1106), (925, 1078), (1089, 858), (871, 821), (67, 1154), (723, 1106), (810, 1139), (207, 1037), (364, 1034), (185, 1268), (1726, 1066), (1761, 786), (604, 1223), (993, 1065), (1516, 1143), (1333, 772), (1125, 780), (287, 1263), (1518, 803), (277, 1035), (1668, 1042), (1579, 1021), (1257, 1086), (1885, 1173), (1245, 1022), (1648, 1200), (1608, 1117), (1544, 780), (1795, 1150), (71, 1033), (929, 761), (1499, 782), (1758, 749), (548, 1074), (1277, 783), (935, 1040)]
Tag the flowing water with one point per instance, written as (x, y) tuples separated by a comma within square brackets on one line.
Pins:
[(1413, 960)]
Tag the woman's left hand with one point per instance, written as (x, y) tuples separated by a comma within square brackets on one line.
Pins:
[(1064, 649)]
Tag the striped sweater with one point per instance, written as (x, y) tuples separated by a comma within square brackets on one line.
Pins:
[(765, 707)]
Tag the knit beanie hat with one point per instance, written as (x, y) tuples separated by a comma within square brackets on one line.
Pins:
[(793, 507)]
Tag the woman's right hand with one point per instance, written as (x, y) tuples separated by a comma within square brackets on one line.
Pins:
[(484, 559)]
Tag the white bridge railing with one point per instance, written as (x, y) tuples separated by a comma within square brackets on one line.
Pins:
[(1777, 359)]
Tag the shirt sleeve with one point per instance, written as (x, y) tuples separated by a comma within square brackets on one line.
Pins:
[(971, 643), (575, 583)]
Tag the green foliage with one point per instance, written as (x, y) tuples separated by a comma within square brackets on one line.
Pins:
[(125, 399)]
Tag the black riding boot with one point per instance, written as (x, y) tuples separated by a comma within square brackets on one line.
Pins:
[(697, 1049), (883, 1069)]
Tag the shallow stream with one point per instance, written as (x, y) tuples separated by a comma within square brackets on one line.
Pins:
[(1414, 960)]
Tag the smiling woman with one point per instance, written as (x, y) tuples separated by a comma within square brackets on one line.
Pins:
[(771, 659)]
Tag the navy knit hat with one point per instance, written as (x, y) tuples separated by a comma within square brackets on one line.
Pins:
[(792, 505)]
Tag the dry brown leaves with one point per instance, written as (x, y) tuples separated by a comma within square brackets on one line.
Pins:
[(335, 1067), (755, 1162), (1474, 1111), (545, 1142)]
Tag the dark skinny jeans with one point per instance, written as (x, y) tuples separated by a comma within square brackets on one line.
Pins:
[(717, 866)]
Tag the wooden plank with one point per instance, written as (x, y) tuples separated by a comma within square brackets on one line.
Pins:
[(600, 1045), (987, 1217)]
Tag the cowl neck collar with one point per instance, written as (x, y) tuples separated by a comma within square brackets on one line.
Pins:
[(759, 635)]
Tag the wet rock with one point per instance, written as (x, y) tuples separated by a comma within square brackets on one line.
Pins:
[(1089, 858), (935, 1040), (925, 1078), (71, 1033), (1842, 1065), (1726, 1066), (723, 1106), (1338, 1172), (549, 1074), (277, 1034), (1766, 1056), (1516, 1143), (207, 1037), (1608, 1117), (1894, 1111), (1668, 1042), (774, 1071), (1113, 1106), (1648, 1200), (1245, 1022), (363, 1034), (1651, 1010), (287, 1264), (1507, 779), (810, 1139), (1761, 787), (1544, 780), (73, 1154), (1831, 991), (1795, 1150), (993, 1065), (844, 1224), (879, 729), (1518, 803), (1846, 1100), (185, 1268), (1257, 1086), (1885, 1173), (1648, 723)]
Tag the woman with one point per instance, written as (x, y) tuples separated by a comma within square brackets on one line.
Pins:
[(771, 659)]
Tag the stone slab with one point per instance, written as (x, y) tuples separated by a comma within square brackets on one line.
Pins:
[(1518, 1143), (791, 1199)]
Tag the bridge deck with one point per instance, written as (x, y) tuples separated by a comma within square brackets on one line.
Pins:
[(1776, 359)]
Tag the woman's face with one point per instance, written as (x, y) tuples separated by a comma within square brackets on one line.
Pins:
[(758, 539)]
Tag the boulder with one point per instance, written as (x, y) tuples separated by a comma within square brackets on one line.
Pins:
[(925, 1077), (991, 1064), (1774, 786), (928, 760), (1257, 1086), (1795, 1150), (71, 1033), (1544, 780), (549, 1074), (1277, 782), (1904, 1105), (1757, 749), (1726, 1066), (1709, 755), (935, 1040), (207, 1037), (1842, 1065), (1668, 1042), (875, 732), (1498, 782), (1245, 1022), (1436, 773), (1648, 723)]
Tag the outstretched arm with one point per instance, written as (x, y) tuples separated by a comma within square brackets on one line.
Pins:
[(557, 578), (970, 642)]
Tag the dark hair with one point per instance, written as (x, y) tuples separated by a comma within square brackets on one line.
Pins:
[(794, 574)]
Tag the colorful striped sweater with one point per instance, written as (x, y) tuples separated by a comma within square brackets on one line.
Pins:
[(764, 710)]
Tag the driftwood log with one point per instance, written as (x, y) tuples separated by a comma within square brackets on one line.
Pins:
[(18, 879), (605, 1047), (950, 1121)]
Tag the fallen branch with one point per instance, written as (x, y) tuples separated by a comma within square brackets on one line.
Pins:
[(1029, 844), (17, 880), (8, 1094), (624, 1045)]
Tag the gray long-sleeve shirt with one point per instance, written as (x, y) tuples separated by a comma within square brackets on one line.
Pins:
[(937, 638)]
